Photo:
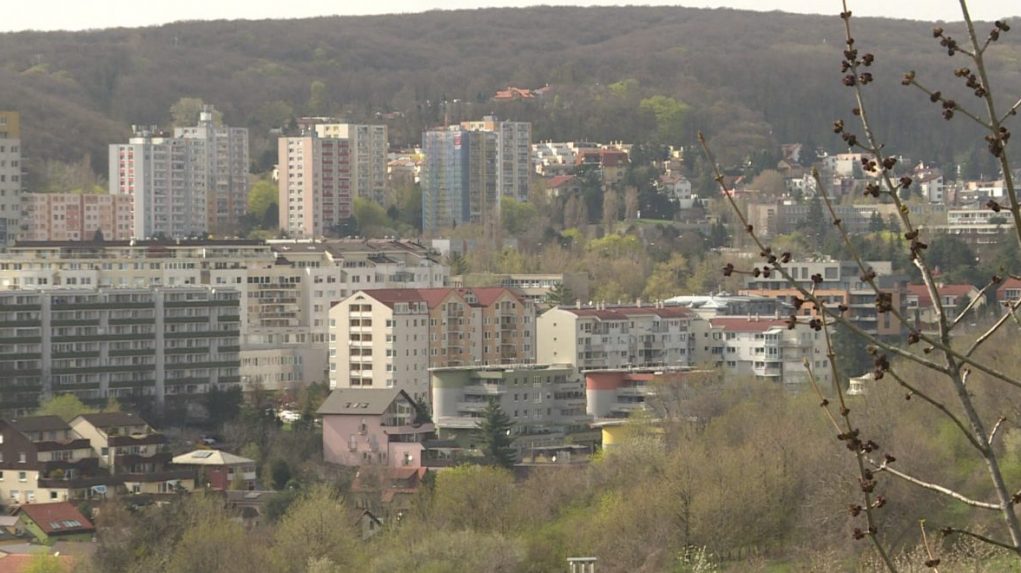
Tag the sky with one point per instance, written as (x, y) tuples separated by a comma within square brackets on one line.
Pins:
[(80, 15)]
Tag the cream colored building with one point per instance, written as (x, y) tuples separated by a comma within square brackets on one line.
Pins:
[(369, 146), (287, 287), (385, 338), (75, 216), (602, 336)]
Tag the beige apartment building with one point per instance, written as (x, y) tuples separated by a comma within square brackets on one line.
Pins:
[(314, 183), (369, 146), (75, 216), (385, 338), (287, 287), (603, 336)]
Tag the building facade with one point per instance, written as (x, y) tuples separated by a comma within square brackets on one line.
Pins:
[(153, 343), (369, 145), (76, 216), (615, 336), (513, 154), (459, 178), (380, 426), (184, 185), (389, 338), (315, 184), (10, 175)]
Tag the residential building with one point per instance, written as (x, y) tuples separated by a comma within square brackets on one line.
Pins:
[(763, 348), (287, 287), (314, 184), (606, 336), (56, 521), (368, 146), (544, 402), (841, 284), (368, 426), (152, 343), (218, 470), (184, 185), (723, 304), (952, 297), (1008, 292), (387, 492), (10, 175), (389, 338), (678, 188), (562, 186), (513, 154), (134, 454), (619, 393), (459, 179), (40, 456), (225, 153), (76, 216)]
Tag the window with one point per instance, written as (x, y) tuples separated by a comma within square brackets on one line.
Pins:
[(22, 476), (22, 458)]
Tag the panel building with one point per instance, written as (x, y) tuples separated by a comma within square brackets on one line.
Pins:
[(513, 151), (10, 175), (76, 216), (459, 179), (369, 146), (116, 343), (314, 184), (183, 185)]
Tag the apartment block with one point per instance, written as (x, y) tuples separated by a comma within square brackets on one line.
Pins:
[(75, 216), (545, 402), (314, 183), (600, 337), (459, 178), (10, 175), (287, 287), (389, 338), (513, 154), (536, 287), (619, 393), (153, 343), (369, 145), (186, 184), (762, 348)]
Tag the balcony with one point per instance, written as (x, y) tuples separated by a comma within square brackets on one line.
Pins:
[(484, 390), (472, 406)]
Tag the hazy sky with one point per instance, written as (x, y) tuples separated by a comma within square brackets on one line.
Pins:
[(81, 14)]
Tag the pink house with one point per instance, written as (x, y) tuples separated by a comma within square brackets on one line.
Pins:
[(369, 426)]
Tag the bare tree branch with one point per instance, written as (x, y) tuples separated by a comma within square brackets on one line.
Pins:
[(883, 467), (982, 538), (938, 405), (996, 427)]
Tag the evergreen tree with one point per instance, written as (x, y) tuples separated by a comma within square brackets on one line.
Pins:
[(495, 429), (559, 294), (876, 223)]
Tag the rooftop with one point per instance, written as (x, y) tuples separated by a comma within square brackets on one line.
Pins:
[(56, 518), (39, 424), (364, 401), (210, 458), (112, 419)]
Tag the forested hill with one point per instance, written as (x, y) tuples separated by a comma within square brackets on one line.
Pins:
[(749, 78)]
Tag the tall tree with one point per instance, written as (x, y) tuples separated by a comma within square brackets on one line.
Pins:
[(495, 436)]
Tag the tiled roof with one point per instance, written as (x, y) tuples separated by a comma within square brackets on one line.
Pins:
[(56, 518), (363, 401), (433, 297), (112, 419), (624, 312), (39, 424)]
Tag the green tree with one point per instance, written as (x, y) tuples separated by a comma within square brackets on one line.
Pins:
[(667, 279), (67, 406), (517, 217), (559, 294), (495, 436), (315, 527), (224, 405), (876, 224), (45, 563), (458, 264), (280, 472), (262, 197), (670, 118), (318, 98), (371, 216)]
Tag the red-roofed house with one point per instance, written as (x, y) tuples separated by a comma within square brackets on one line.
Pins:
[(389, 338), (562, 186), (1008, 292), (49, 522), (511, 93), (603, 336), (919, 302)]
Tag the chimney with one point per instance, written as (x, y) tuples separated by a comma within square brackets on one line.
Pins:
[(577, 303), (638, 302)]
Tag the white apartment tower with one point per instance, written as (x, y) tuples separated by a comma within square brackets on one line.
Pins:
[(10, 175), (192, 183), (513, 151)]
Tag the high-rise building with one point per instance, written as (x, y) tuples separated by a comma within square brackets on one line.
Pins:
[(459, 178), (369, 146), (185, 185), (226, 157), (314, 184), (75, 216), (513, 150), (10, 175)]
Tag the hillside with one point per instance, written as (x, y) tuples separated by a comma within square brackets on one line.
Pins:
[(752, 79)]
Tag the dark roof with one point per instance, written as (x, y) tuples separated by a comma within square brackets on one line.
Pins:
[(138, 243), (39, 424), (112, 419), (364, 401), (56, 518)]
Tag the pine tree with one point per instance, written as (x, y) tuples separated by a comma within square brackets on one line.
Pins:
[(495, 429)]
